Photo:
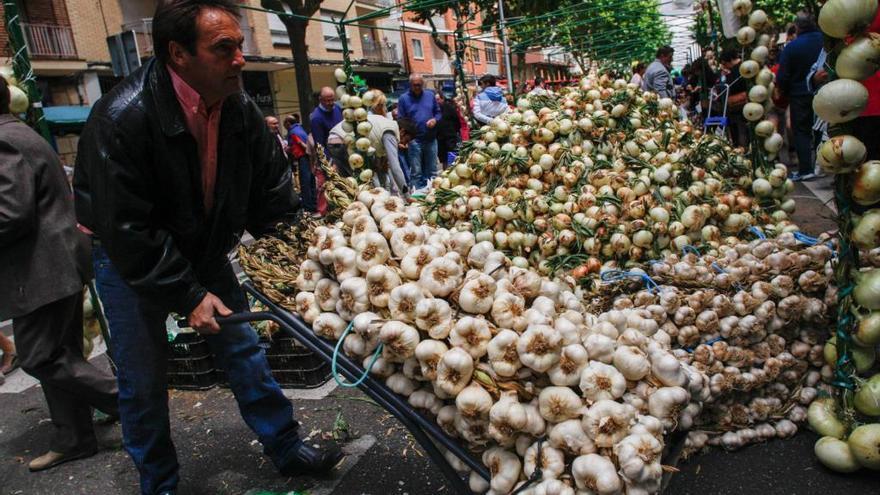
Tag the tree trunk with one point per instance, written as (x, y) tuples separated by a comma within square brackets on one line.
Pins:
[(296, 33)]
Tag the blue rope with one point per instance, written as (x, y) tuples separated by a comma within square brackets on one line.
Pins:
[(336, 354), (687, 248), (806, 239), (757, 232), (616, 275), (708, 342)]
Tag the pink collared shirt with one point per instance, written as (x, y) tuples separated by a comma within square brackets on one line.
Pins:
[(204, 125)]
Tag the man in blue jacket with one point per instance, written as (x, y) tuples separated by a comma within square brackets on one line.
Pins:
[(421, 106), (791, 81)]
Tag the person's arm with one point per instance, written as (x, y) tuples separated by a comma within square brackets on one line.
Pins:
[(817, 74), (122, 199), (782, 76), (272, 197), (18, 212), (389, 140), (478, 112), (435, 110)]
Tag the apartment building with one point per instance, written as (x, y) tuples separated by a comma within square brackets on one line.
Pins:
[(79, 49)]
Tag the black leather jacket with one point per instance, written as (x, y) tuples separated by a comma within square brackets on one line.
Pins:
[(137, 186)]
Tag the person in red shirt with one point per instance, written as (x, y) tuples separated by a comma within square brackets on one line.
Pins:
[(867, 126)]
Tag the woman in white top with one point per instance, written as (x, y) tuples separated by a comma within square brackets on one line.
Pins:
[(636, 78)]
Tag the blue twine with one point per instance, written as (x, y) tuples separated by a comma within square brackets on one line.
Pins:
[(718, 268), (806, 239), (616, 275), (687, 248), (757, 232), (336, 354)]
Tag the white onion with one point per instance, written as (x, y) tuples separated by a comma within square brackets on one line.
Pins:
[(860, 59), (864, 443), (18, 101), (840, 101), (840, 18), (753, 111)]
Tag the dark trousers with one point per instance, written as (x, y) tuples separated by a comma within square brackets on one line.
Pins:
[(444, 147), (802, 129), (49, 342), (308, 188), (739, 127), (339, 157), (867, 130), (140, 348)]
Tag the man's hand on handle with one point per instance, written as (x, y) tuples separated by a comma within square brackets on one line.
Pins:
[(202, 318)]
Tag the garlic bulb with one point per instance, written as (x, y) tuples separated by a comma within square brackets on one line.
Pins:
[(307, 306), (403, 301), (441, 276), (434, 316), (538, 347), (400, 384), (310, 272), (400, 341), (428, 352), (454, 371), (329, 326), (474, 402), (631, 362), (477, 295), (596, 474), (552, 461), (372, 250), (572, 360), (472, 335), (558, 404), (408, 237), (599, 381), (503, 355), (666, 403), (504, 467), (381, 280), (639, 458), (507, 417), (508, 311), (417, 258), (569, 436), (353, 298), (607, 422)]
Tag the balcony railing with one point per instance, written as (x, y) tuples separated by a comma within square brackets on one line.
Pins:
[(380, 52), (143, 30), (47, 40)]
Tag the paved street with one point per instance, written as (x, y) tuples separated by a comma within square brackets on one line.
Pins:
[(218, 454)]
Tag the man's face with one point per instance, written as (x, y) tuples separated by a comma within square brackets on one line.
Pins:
[(405, 138), (416, 86), (327, 98), (272, 123), (666, 59), (215, 68)]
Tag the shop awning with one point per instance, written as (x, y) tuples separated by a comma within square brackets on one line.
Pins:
[(67, 115)]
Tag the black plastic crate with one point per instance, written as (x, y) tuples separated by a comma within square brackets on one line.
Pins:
[(192, 381), (190, 363), (303, 378)]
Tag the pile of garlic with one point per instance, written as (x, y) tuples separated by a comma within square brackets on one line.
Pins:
[(499, 354), (754, 320)]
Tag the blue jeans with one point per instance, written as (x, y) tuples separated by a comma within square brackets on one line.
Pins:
[(308, 189), (139, 346), (422, 157)]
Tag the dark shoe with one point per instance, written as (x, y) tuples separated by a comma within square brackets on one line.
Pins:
[(309, 460), (9, 364), (807, 177), (51, 459), (101, 418)]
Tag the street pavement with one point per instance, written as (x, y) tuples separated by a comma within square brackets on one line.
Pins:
[(219, 455)]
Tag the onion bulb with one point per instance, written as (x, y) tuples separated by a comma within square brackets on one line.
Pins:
[(868, 331), (867, 398), (840, 101), (749, 69), (867, 291), (841, 154), (765, 128), (758, 93), (758, 20), (746, 35), (18, 100), (340, 75), (836, 455), (823, 419), (760, 54), (860, 59), (840, 18), (866, 187), (866, 232), (753, 111), (864, 442)]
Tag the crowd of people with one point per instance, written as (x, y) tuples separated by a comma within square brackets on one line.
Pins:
[(414, 138), (711, 86)]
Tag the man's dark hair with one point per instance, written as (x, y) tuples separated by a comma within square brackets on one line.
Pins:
[(175, 20), (488, 79), (5, 96), (407, 125), (639, 67), (665, 50), (729, 55), (539, 81), (804, 23)]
